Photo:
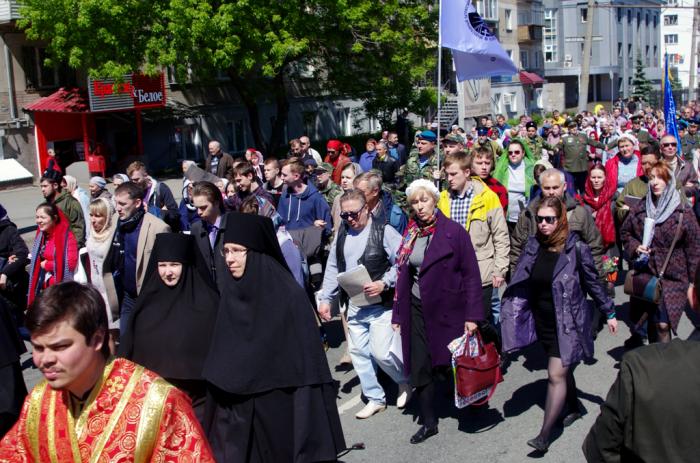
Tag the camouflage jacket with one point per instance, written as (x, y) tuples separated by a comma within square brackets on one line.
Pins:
[(330, 192), (536, 146), (688, 144)]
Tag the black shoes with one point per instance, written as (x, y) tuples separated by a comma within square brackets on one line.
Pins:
[(570, 418), (423, 433), (539, 443)]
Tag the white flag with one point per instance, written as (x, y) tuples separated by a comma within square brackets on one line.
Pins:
[(476, 51)]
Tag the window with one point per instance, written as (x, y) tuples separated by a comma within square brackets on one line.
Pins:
[(235, 136), (310, 119), (39, 76), (670, 38), (646, 52), (655, 55), (524, 59), (344, 122), (550, 36), (656, 21), (676, 58), (488, 9), (538, 59), (629, 50), (584, 15), (639, 19), (509, 20), (671, 20)]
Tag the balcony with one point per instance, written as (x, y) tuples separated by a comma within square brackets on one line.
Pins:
[(529, 33), (9, 11)]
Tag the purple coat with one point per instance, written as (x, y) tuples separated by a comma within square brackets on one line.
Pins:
[(573, 313), (450, 290)]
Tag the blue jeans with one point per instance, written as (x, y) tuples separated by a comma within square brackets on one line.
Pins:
[(496, 309), (370, 335), (128, 304)]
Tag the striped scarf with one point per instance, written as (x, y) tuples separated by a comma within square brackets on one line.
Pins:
[(414, 231)]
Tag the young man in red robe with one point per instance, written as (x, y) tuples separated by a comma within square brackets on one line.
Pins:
[(90, 407)]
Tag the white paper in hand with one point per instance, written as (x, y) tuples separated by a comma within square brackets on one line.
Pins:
[(353, 283)]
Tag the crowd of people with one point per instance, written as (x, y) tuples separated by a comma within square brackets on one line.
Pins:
[(502, 230)]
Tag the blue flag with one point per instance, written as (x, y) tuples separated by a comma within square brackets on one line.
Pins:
[(670, 106), (476, 51)]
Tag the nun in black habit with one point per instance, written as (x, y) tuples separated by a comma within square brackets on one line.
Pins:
[(172, 323), (272, 398), (12, 388)]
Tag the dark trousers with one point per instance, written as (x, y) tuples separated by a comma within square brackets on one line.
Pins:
[(488, 332), (579, 181), (128, 304)]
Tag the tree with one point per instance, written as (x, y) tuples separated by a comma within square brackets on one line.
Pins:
[(376, 51), (641, 87)]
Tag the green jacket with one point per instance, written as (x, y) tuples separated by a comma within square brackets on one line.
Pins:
[(72, 210), (575, 148), (500, 172), (330, 192), (637, 188), (688, 144), (412, 170), (536, 146)]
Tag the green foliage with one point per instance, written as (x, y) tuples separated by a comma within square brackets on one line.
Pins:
[(641, 86), (373, 51)]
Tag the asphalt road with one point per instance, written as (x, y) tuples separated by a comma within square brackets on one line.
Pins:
[(497, 433)]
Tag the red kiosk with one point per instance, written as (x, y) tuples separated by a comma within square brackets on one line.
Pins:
[(65, 120)]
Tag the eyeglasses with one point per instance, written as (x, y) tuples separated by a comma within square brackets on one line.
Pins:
[(515, 152), (233, 252), (669, 144), (550, 219), (351, 215)]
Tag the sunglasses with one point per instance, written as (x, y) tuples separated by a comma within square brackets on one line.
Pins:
[(331, 151), (550, 219), (351, 215), (515, 152), (669, 144)]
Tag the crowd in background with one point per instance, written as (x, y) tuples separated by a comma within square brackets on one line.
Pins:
[(505, 230)]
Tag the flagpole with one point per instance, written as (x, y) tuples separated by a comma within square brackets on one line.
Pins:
[(439, 86)]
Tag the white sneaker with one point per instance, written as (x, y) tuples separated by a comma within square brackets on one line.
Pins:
[(370, 409), (405, 392)]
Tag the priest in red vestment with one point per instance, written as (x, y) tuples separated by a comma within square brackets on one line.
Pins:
[(90, 407)]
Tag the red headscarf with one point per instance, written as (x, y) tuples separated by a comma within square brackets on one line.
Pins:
[(603, 207), (65, 255), (335, 145)]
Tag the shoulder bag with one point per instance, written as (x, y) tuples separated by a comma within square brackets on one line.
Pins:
[(644, 285)]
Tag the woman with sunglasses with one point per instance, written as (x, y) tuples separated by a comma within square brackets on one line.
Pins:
[(546, 302), (514, 171), (683, 171)]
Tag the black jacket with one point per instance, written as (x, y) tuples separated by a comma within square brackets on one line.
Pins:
[(12, 244)]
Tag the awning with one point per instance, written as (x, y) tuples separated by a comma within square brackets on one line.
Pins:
[(64, 100), (530, 78)]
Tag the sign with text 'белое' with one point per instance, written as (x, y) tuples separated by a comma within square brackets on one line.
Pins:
[(136, 91)]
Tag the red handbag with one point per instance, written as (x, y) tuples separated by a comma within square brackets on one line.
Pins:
[(480, 373)]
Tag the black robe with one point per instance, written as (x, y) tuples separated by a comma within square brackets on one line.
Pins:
[(273, 397), (12, 387), (170, 327)]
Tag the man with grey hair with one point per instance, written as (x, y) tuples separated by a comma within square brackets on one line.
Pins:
[(362, 240), (218, 162), (379, 201), (553, 183), (384, 163)]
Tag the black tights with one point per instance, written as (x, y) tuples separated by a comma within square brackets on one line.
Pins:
[(561, 391), (426, 402)]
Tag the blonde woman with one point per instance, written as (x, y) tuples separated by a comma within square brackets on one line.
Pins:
[(103, 223)]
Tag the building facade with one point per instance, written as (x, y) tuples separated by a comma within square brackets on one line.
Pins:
[(676, 33), (620, 34)]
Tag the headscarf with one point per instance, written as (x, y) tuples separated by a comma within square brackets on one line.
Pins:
[(335, 145), (668, 202), (265, 336), (99, 181), (62, 271), (170, 327), (71, 183), (122, 177), (603, 218)]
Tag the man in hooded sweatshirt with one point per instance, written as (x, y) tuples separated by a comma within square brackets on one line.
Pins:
[(301, 205)]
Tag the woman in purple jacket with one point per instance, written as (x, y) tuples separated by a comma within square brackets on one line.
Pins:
[(438, 296), (546, 301)]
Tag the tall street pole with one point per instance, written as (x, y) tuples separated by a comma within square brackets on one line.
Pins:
[(586, 65), (693, 54)]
